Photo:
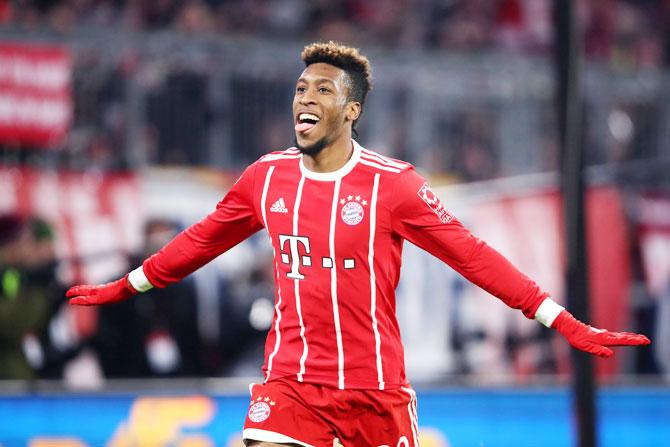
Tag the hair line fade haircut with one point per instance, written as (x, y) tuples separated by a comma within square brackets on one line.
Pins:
[(355, 65)]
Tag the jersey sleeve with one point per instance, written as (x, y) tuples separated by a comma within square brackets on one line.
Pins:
[(233, 220), (420, 217)]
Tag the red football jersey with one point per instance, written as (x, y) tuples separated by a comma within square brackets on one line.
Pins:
[(337, 239)]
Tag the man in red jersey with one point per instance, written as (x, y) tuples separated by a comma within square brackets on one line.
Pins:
[(337, 215)]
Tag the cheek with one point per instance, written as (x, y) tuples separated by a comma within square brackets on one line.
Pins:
[(336, 119), (338, 114)]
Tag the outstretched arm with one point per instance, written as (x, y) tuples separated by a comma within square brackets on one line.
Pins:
[(234, 220), (421, 218)]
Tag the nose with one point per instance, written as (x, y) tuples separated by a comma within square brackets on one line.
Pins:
[(308, 97)]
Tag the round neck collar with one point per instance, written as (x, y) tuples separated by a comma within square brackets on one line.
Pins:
[(338, 173)]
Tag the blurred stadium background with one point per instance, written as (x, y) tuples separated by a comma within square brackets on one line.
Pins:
[(123, 121)]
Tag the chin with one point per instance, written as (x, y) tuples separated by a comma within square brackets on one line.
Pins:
[(311, 147)]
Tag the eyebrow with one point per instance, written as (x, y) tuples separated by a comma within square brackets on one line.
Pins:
[(317, 81)]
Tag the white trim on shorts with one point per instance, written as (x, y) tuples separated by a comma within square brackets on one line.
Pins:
[(413, 417), (256, 434)]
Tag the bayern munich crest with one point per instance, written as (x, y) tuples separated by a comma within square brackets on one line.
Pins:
[(260, 411), (352, 209)]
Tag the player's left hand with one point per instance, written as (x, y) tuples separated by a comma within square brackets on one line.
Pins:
[(592, 340)]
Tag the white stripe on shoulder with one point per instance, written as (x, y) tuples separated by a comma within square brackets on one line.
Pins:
[(291, 152), (384, 163), (378, 166), (385, 160), (273, 157)]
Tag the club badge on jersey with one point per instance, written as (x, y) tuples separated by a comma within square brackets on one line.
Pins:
[(353, 211)]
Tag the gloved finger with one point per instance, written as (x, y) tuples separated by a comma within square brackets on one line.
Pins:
[(596, 349), (78, 291), (626, 339), (81, 301)]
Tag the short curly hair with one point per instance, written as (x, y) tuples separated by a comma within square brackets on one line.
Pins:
[(355, 65)]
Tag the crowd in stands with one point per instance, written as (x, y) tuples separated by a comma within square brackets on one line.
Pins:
[(628, 33)]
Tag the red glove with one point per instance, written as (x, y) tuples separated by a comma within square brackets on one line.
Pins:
[(112, 292), (592, 340)]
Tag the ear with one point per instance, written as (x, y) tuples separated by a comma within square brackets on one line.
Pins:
[(353, 110)]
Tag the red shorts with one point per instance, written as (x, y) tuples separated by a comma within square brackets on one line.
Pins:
[(285, 411)]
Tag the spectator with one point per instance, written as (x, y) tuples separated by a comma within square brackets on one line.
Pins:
[(61, 338), (156, 336), (23, 302)]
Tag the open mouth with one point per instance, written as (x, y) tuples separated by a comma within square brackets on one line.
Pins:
[(306, 122)]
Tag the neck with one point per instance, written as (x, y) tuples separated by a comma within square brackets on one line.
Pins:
[(332, 157)]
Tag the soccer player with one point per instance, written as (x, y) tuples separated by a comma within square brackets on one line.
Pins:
[(337, 215)]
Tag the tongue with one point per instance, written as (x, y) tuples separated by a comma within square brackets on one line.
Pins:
[(303, 127)]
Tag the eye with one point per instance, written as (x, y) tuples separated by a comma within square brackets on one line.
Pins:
[(324, 90), (300, 89)]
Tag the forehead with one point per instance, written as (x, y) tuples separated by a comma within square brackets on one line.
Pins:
[(323, 71)]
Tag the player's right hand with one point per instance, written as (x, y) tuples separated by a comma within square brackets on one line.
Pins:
[(112, 292)]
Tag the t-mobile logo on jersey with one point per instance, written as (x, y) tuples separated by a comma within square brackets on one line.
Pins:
[(295, 258)]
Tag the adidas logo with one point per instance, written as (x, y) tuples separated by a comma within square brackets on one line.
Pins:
[(279, 206)]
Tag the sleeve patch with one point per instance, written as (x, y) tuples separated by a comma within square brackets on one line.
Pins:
[(434, 203)]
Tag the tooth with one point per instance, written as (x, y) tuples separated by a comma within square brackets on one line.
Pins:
[(308, 116)]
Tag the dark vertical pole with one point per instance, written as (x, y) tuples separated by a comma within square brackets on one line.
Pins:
[(569, 100)]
